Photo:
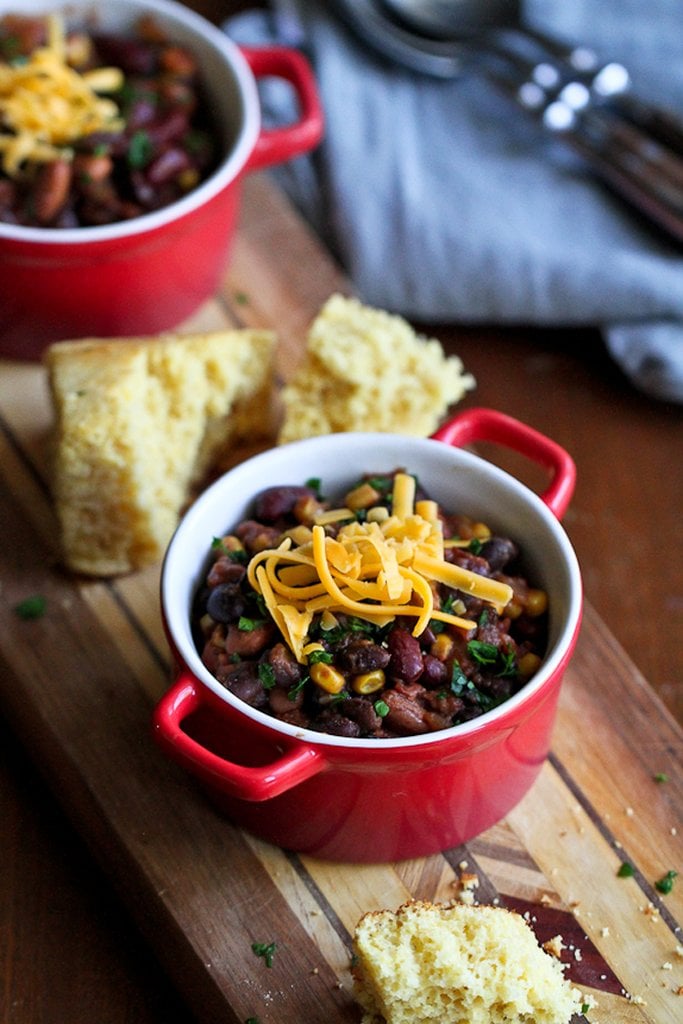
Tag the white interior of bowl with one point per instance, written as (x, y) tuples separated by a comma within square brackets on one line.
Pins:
[(227, 81), (458, 480)]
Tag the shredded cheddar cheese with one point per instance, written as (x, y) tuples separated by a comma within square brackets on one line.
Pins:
[(375, 570), (46, 105)]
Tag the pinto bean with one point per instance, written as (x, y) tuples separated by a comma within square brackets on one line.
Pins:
[(286, 668), (281, 704), (224, 570), (405, 716), (248, 642), (275, 502), (257, 537), (51, 190), (89, 167), (406, 656), (244, 682)]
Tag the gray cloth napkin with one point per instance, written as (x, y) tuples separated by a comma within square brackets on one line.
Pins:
[(445, 203)]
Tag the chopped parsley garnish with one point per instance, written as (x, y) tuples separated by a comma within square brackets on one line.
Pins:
[(265, 950), (297, 688), (316, 657), (315, 485), (474, 546), (666, 883), (483, 652), (266, 675), (248, 625), (626, 870), (139, 150), (660, 777), (31, 607)]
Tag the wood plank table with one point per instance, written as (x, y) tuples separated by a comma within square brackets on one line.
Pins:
[(162, 928)]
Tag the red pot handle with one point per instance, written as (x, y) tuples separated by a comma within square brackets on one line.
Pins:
[(275, 145), (488, 425), (298, 762)]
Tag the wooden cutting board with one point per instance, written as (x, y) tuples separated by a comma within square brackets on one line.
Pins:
[(79, 684)]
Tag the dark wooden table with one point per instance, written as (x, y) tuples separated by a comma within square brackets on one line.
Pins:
[(68, 948)]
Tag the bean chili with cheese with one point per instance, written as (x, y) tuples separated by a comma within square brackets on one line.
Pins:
[(328, 654), (96, 127)]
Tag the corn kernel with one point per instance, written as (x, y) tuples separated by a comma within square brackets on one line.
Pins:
[(536, 602), (306, 509), (442, 647), (229, 543), (327, 677), (377, 514), (528, 664), (362, 496), (481, 531), (513, 609), (369, 682)]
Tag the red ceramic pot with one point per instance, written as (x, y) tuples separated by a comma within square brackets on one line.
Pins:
[(146, 275), (362, 799)]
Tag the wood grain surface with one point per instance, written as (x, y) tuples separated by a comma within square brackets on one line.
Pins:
[(77, 687)]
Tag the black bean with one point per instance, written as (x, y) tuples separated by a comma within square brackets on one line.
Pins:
[(225, 603), (499, 552), (286, 669), (359, 655), (362, 712), (339, 725)]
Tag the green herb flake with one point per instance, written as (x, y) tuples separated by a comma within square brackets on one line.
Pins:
[(266, 950), (482, 652), (266, 675), (315, 484), (660, 777), (474, 546), (241, 298), (381, 708), (666, 883), (316, 657), (33, 607), (585, 1007), (626, 870), (252, 1020), (139, 150), (248, 625)]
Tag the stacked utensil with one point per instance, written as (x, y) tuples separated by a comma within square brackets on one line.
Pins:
[(633, 146)]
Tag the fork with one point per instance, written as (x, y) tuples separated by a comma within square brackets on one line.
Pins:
[(634, 147)]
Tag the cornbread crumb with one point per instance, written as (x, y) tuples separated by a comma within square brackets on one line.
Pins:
[(138, 423), (455, 964), (366, 369)]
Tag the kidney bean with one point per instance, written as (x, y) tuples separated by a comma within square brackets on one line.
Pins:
[(248, 641), (275, 502), (51, 190), (498, 552), (359, 655), (169, 126), (467, 560), (226, 603), (406, 656), (244, 682)]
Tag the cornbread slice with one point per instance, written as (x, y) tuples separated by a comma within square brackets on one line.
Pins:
[(366, 369), (457, 964), (138, 423)]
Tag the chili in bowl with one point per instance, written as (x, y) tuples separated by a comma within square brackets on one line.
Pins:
[(375, 616), (126, 128), (354, 778)]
